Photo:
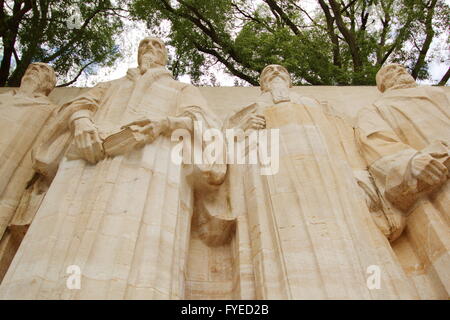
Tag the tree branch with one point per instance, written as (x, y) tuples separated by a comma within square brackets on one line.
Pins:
[(252, 18), (76, 77), (207, 30), (225, 62), (332, 34), (445, 78), (276, 8), (428, 39), (8, 33), (348, 36), (74, 40)]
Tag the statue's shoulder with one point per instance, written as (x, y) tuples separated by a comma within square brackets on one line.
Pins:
[(401, 96), (45, 101), (8, 93), (385, 99), (108, 84), (6, 98), (433, 88), (438, 92), (307, 101), (181, 85)]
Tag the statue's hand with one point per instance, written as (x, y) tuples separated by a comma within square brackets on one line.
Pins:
[(88, 140), (151, 128), (253, 121), (141, 123), (429, 170)]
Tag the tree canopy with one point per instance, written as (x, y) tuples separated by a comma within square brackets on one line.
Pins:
[(72, 36), (328, 42), (321, 42)]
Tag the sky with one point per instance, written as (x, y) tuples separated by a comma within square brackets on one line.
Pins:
[(134, 31)]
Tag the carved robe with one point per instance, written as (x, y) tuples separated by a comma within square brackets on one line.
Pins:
[(21, 120), (306, 232), (125, 221), (391, 132)]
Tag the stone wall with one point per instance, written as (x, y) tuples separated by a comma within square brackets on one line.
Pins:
[(210, 271), (224, 100)]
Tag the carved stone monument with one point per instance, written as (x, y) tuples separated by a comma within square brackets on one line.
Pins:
[(311, 235), (23, 114), (122, 218), (405, 138), (340, 204)]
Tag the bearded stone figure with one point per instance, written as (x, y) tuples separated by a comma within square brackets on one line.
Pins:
[(23, 114), (118, 210), (404, 137), (305, 231)]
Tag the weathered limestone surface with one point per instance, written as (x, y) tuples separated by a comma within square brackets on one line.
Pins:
[(405, 137), (311, 232), (124, 220), (23, 114), (140, 226), (223, 100)]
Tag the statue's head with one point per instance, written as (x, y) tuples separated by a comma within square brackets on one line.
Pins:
[(393, 75), (39, 78), (274, 74), (152, 53)]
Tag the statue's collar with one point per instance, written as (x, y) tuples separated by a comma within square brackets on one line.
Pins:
[(403, 86), (154, 73), (16, 92)]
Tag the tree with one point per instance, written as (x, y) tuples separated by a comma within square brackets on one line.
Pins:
[(334, 42), (72, 36)]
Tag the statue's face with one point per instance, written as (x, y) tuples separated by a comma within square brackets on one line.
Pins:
[(39, 77), (274, 75), (393, 75), (152, 52)]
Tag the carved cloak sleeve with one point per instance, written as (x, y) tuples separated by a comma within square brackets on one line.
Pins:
[(58, 134), (192, 104), (212, 212), (388, 158)]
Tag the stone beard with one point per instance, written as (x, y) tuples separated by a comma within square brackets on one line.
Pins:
[(279, 91)]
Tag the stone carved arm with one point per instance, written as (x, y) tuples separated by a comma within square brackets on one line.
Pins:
[(426, 171), (389, 220), (87, 140), (246, 119), (402, 173), (144, 131), (86, 136), (152, 128), (213, 215), (72, 118)]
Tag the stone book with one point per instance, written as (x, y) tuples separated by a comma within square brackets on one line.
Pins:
[(123, 141)]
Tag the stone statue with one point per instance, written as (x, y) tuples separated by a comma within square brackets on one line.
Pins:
[(305, 232), (119, 209), (405, 137), (23, 114)]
